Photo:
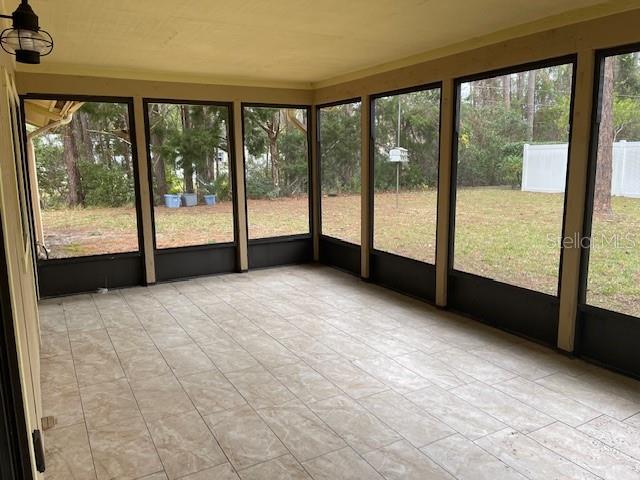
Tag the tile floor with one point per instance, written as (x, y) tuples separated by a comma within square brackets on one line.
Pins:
[(306, 372)]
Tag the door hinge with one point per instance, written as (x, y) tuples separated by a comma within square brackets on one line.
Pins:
[(38, 450)]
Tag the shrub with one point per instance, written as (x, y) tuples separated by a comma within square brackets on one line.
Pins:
[(106, 186)]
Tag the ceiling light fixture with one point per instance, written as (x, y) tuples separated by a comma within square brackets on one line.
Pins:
[(25, 39)]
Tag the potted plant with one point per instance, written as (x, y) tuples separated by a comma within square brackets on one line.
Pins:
[(190, 199), (172, 198), (210, 194)]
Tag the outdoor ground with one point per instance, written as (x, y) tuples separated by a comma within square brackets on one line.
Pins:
[(508, 235)]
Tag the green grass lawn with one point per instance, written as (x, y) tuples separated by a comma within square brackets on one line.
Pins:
[(508, 235)]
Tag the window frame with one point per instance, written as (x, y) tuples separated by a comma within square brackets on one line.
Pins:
[(587, 226), (570, 59), (128, 102), (319, 108), (232, 167), (418, 88), (295, 236)]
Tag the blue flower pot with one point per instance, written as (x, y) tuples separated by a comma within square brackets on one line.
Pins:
[(172, 201), (189, 199), (210, 199)]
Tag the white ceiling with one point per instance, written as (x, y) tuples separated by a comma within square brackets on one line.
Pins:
[(278, 42)]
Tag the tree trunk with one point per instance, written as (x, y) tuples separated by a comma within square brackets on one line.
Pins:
[(71, 154), (531, 104), (602, 194), (506, 91), (275, 164), (157, 162), (187, 163)]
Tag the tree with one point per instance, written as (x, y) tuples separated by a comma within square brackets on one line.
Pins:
[(604, 168), (531, 103), (76, 145)]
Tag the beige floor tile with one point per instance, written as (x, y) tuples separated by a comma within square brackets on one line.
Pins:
[(63, 403), (301, 431), (475, 366), (205, 332), (434, 370), (169, 336), (421, 339), (185, 444), (548, 401), (530, 458), (514, 360), (587, 452), (58, 370), (259, 387), (503, 407), (350, 379), (244, 437), (52, 323), (126, 339), (160, 397), (586, 392), (455, 412), (123, 450), (310, 349), (110, 402), (634, 420), (359, 428), (97, 366), (466, 461), (312, 325), (268, 351), (384, 343), (619, 435), (119, 317), (154, 318), (301, 343), (228, 356), (406, 418), (393, 374), (283, 468), (77, 321), (401, 461), (278, 328), (186, 360), (304, 382), (53, 344), (211, 392), (221, 472), (68, 455), (155, 476), (143, 363), (347, 346), (344, 464)]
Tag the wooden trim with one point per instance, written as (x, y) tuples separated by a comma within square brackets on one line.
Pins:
[(239, 188), (366, 224), (146, 198), (314, 190), (447, 133), (575, 198)]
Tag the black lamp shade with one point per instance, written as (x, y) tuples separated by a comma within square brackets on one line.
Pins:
[(26, 40)]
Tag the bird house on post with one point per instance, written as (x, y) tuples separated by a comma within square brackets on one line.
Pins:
[(398, 155)]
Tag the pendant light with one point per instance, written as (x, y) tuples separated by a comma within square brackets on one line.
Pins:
[(25, 39)]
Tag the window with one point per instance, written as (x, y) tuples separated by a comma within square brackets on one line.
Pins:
[(614, 255), (511, 173), (406, 132), (277, 171), (192, 196), (339, 151), (84, 177)]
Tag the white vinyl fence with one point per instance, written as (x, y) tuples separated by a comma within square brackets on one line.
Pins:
[(544, 168)]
